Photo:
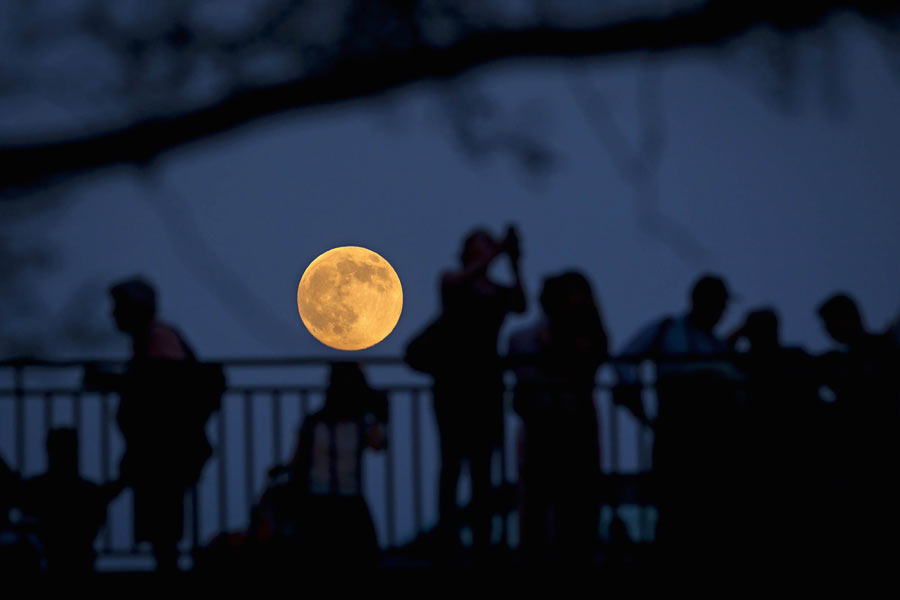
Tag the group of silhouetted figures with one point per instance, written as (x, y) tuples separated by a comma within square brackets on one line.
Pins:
[(761, 452)]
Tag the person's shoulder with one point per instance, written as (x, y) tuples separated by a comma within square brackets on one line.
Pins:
[(885, 341), (666, 320), (661, 325), (166, 343), (449, 277), (881, 348), (670, 320)]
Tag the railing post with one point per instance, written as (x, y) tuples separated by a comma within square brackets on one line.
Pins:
[(613, 417), (104, 463), (389, 483), (48, 414), (276, 427), (416, 462), (76, 418), (644, 467), (304, 403), (223, 468), (504, 470), (19, 384), (195, 522), (248, 449)]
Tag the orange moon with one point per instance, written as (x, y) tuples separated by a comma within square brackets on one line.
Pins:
[(350, 298)]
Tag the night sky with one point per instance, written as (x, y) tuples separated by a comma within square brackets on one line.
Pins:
[(789, 204)]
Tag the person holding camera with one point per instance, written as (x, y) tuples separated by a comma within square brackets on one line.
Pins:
[(468, 383)]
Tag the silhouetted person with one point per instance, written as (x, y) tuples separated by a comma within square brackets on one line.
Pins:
[(468, 384), (893, 332), (20, 548), (558, 360), (69, 510), (332, 521), (863, 376), (781, 380), (693, 447), (779, 464), (166, 398)]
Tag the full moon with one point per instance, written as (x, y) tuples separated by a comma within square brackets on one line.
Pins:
[(350, 298)]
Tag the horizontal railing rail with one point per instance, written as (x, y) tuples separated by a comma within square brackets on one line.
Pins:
[(508, 361)]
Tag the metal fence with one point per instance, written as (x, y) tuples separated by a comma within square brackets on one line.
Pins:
[(256, 427)]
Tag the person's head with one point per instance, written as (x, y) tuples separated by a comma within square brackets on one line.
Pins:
[(477, 245), (568, 302), (62, 451), (348, 390), (841, 318), (709, 297), (567, 294), (134, 304), (761, 329), (346, 376)]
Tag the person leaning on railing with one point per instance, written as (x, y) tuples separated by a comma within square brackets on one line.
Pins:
[(695, 418)]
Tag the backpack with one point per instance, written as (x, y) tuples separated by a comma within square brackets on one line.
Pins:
[(426, 352)]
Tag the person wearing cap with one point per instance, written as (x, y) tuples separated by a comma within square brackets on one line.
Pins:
[(694, 416), (689, 335)]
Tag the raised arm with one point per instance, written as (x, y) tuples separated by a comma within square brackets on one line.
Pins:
[(510, 245), (470, 271)]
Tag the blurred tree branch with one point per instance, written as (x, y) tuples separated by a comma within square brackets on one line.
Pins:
[(356, 50), (638, 163)]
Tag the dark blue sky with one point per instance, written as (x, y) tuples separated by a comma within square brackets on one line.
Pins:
[(789, 204)]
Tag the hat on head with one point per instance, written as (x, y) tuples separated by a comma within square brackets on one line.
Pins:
[(839, 306)]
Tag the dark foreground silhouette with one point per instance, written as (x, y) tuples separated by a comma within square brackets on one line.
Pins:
[(69, 510), (166, 397), (459, 350), (313, 512), (560, 466)]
